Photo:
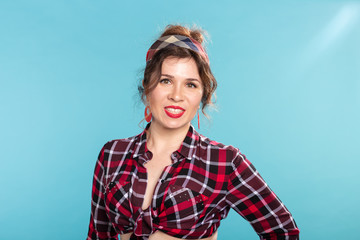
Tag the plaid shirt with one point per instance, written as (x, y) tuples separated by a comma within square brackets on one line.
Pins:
[(192, 195)]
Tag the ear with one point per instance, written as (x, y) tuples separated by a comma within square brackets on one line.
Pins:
[(147, 100)]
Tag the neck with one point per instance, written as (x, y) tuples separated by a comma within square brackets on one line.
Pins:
[(162, 139)]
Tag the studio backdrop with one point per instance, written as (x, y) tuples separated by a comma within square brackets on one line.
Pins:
[(288, 97)]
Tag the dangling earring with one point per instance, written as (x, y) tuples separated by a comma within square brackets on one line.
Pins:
[(198, 120), (148, 114)]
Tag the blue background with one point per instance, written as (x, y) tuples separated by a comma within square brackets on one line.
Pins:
[(288, 97)]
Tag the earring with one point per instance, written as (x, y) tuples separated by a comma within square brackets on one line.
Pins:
[(198, 120), (148, 114)]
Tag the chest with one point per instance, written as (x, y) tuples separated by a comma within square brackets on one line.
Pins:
[(154, 169), (165, 194)]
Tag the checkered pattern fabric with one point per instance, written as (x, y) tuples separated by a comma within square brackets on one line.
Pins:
[(179, 41), (205, 180)]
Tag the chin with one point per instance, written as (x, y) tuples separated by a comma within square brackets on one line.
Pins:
[(175, 125)]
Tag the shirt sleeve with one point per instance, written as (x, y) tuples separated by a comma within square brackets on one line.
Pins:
[(100, 227), (249, 195)]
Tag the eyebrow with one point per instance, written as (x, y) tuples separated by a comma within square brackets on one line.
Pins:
[(189, 79)]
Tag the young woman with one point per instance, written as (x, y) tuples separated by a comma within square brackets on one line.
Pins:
[(170, 182)]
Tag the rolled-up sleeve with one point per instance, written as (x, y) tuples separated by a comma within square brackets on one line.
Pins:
[(250, 196), (100, 227)]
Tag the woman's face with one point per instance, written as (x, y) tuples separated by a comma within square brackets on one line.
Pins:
[(177, 95)]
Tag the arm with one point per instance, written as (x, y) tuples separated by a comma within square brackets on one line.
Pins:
[(100, 227), (249, 195)]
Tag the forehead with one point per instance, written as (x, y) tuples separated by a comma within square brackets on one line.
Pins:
[(180, 67)]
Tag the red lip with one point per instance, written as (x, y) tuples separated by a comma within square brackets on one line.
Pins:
[(174, 115)]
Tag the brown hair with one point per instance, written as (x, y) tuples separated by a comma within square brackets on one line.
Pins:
[(153, 67)]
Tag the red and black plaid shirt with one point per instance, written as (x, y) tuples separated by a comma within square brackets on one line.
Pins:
[(192, 195)]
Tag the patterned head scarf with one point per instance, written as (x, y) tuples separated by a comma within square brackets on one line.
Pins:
[(179, 41)]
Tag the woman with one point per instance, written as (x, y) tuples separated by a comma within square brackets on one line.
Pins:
[(170, 182)]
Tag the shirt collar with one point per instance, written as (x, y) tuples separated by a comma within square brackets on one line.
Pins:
[(186, 150)]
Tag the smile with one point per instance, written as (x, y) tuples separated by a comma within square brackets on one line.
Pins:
[(174, 111)]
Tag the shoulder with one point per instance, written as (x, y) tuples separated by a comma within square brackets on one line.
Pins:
[(116, 150), (119, 149), (228, 155), (232, 153), (120, 145)]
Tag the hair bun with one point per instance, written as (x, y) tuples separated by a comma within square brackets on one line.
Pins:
[(197, 35), (194, 33)]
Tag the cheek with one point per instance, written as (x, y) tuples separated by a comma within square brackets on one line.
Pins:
[(155, 98), (196, 100), (199, 95)]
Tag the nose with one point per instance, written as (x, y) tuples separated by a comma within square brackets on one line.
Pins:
[(176, 93)]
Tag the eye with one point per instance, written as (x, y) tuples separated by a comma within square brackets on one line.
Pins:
[(191, 85), (165, 81)]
